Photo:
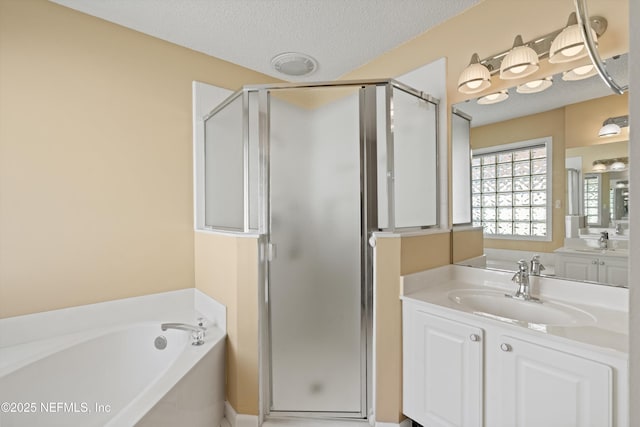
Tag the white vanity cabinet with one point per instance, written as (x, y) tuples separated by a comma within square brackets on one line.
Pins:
[(458, 372), (594, 268), (541, 386), (443, 368)]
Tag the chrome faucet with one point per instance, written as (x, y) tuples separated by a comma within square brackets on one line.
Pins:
[(522, 279), (603, 241), (197, 332), (536, 266), (619, 229)]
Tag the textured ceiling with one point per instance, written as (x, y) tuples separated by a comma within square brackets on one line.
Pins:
[(341, 35)]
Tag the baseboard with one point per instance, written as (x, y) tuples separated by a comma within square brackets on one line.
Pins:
[(239, 420), (404, 423)]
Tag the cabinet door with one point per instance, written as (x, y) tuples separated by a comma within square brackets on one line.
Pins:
[(442, 371), (551, 388), (577, 267), (613, 271)]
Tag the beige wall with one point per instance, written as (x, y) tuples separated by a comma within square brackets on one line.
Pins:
[(550, 123), (584, 119), (226, 268), (397, 256), (95, 158), (467, 244)]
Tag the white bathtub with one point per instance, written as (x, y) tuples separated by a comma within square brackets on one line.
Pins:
[(114, 376)]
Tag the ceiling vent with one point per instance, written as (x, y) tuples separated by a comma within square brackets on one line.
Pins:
[(294, 64)]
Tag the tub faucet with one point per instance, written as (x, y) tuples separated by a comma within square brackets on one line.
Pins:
[(522, 279), (536, 266), (603, 241), (197, 332)]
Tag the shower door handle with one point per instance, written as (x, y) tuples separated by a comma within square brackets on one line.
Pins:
[(271, 251)]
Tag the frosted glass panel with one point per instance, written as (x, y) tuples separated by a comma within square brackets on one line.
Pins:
[(254, 159), (315, 278), (415, 160), (381, 152), (223, 153)]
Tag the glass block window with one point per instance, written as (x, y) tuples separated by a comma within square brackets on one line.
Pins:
[(510, 191), (592, 199)]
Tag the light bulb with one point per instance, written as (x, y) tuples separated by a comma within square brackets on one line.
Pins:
[(518, 69), (474, 84), (534, 84), (583, 70), (572, 51)]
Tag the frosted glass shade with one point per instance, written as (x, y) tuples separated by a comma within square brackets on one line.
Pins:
[(569, 45), (610, 129), (617, 166), (535, 86), (473, 79), (579, 73), (599, 167), (520, 62), (493, 98)]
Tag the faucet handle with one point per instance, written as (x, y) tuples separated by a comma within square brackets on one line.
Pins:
[(523, 266)]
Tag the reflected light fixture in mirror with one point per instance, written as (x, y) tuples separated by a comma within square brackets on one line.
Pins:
[(493, 98), (535, 86), (475, 78), (618, 166), (613, 126), (569, 44), (521, 61), (579, 73), (598, 166)]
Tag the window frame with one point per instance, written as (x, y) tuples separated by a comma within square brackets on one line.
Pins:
[(599, 199), (548, 143)]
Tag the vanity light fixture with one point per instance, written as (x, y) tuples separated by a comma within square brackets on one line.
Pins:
[(598, 166), (579, 73), (622, 184), (569, 44), (535, 86), (618, 166), (475, 78), (613, 126), (615, 165), (521, 61), (493, 98)]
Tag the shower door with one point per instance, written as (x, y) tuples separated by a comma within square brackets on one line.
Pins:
[(316, 268)]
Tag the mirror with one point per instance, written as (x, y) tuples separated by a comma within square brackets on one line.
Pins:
[(531, 204)]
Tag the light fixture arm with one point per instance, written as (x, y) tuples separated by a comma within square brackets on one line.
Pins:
[(583, 22), (622, 121)]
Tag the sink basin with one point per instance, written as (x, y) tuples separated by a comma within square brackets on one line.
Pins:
[(496, 305)]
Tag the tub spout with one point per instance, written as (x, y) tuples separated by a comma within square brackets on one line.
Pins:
[(197, 332)]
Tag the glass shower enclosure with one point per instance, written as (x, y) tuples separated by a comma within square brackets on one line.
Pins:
[(314, 170)]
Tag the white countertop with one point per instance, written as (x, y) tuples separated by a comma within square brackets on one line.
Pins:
[(608, 304), (618, 253)]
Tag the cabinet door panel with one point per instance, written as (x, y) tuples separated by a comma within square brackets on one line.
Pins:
[(443, 372), (546, 387), (613, 271), (577, 268)]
